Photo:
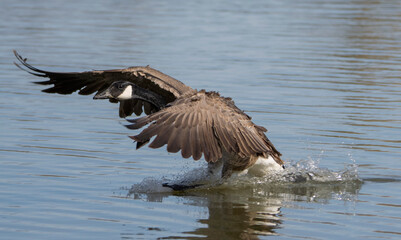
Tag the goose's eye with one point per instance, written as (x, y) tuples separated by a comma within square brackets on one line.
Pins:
[(120, 86)]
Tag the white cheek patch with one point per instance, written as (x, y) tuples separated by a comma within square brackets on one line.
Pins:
[(127, 94)]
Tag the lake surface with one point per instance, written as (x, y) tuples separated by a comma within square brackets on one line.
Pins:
[(322, 76)]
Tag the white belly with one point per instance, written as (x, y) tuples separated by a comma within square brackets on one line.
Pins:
[(264, 166)]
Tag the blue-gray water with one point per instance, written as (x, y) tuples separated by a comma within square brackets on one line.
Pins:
[(322, 76)]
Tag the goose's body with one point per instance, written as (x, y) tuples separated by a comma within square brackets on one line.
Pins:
[(195, 122)]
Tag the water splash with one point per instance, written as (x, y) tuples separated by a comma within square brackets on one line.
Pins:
[(309, 171), (300, 179)]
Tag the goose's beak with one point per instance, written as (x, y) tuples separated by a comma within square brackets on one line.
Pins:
[(103, 95)]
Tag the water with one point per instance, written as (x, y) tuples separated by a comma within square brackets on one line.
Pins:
[(322, 76)]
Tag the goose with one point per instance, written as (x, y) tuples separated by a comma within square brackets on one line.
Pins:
[(195, 122)]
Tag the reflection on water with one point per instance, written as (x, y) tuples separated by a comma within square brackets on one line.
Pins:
[(230, 216)]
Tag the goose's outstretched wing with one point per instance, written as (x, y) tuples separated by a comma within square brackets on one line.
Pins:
[(94, 81), (204, 123)]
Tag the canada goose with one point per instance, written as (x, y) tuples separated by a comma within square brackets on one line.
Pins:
[(195, 122)]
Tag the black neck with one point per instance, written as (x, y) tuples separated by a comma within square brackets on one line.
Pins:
[(148, 96)]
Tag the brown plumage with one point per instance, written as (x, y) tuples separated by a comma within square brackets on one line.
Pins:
[(204, 122), (195, 122)]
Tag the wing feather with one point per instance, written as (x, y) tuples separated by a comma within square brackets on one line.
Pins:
[(207, 124), (179, 119), (148, 133), (89, 82), (174, 142), (185, 145), (195, 144), (127, 107), (225, 136), (162, 137)]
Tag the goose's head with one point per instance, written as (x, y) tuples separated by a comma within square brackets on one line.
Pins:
[(124, 90), (120, 90)]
